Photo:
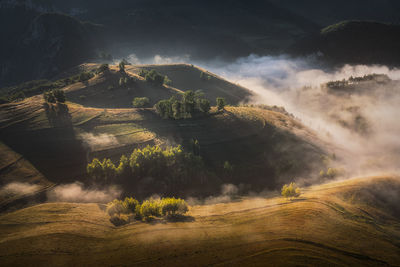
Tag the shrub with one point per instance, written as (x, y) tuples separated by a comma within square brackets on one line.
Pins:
[(140, 102), (173, 206), (150, 208), (290, 191), (116, 207), (221, 103), (130, 205)]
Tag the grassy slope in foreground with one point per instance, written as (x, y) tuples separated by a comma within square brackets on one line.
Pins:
[(342, 223)]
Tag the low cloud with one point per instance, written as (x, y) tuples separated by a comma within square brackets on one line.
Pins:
[(18, 189), (77, 193), (95, 142)]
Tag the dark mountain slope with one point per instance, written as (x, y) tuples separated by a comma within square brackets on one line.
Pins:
[(39, 45), (357, 42)]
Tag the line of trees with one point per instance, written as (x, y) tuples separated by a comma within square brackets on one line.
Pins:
[(171, 165), (148, 209), (190, 104)]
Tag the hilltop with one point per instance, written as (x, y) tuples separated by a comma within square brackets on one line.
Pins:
[(353, 222)]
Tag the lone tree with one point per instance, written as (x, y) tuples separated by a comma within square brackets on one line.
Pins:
[(122, 66), (221, 103), (290, 191)]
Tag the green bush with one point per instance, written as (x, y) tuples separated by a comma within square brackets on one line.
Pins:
[(173, 206), (290, 191), (130, 204), (140, 102), (148, 210), (221, 103)]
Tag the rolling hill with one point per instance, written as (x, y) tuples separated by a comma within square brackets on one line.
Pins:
[(263, 143), (348, 223)]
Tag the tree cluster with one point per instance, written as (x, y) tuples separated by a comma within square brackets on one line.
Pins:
[(190, 104), (154, 77), (148, 209), (54, 96), (171, 165)]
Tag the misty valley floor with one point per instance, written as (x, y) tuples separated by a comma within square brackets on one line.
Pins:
[(340, 223)]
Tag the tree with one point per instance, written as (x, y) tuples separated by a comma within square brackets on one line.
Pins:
[(167, 81), (59, 95), (121, 66), (164, 108), (140, 102), (104, 68), (188, 102), (290, 191), (53, 96), (154, 77), (195, 147), (49, 97), (204, 105), (109, 169), (220, 103), (176, 109)]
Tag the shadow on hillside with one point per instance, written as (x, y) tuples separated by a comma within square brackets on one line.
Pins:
[(124, 220)]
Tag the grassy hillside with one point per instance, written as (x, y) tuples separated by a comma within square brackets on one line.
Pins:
[(188, 77), (267, 147), (19, 180), (346, 223)]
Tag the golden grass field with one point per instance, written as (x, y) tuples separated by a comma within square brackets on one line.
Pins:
[(336, 224)]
